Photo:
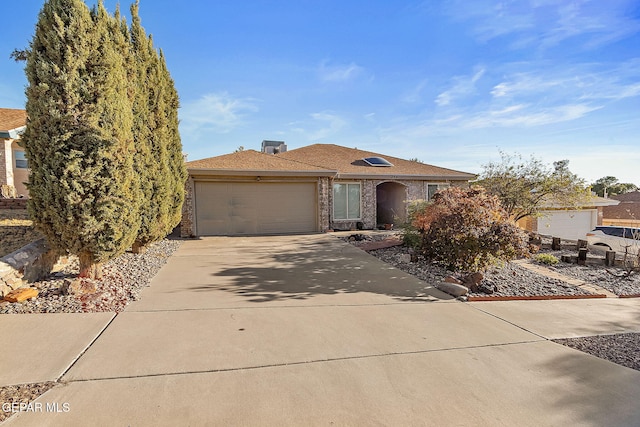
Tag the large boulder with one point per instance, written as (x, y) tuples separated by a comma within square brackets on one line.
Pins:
[(453, 289)]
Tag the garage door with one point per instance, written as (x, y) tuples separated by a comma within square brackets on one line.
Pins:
[(236, 208), (572, 225)]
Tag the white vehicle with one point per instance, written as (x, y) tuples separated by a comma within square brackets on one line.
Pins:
[(618, 239)]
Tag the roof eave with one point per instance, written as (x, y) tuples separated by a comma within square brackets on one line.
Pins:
[(258, 172), (12, 133), (434, 178)]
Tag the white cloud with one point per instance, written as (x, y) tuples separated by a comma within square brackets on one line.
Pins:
[(520, 116), (414, 95), (462, 87), (323, 125), (527, 83), (339, 73), (215, 112), (331, 123), (581, 82), (546, 23)]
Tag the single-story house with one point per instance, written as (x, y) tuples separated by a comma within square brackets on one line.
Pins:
[(316, 188), (14, 170), (627, 213), (568, 223)]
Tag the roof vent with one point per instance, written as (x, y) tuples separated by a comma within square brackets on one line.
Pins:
[(377, 162), (273, 147)]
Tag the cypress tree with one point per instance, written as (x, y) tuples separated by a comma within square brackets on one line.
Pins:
[(175, 159), (79, 139), (154, 138)]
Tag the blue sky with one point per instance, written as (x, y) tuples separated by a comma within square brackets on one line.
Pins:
[(451, 83)]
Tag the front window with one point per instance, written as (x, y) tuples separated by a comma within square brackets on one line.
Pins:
[(346, 201), (432, 189), (21, 160)]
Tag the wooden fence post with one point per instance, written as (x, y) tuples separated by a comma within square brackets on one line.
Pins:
[(610, 258), (582, 244), (582, 256), (555, 243)]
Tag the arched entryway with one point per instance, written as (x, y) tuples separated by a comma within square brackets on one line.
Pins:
[(390, 203)]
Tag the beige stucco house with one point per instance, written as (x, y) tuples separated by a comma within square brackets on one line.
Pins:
[(14, 170), (316, 188)]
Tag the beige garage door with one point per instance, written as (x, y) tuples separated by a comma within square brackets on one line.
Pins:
[(233, 208)]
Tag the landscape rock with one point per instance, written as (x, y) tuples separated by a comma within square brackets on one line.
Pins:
[(472, 281), (451, 279), (406, 258), (453, 289), (4, 289), (487, 287), (79, 286), (20, 295)]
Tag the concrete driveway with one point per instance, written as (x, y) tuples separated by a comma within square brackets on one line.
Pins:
[(308, 330)]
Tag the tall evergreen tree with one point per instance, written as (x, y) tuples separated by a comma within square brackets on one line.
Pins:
[(84, 192), (175, 158), (155, 138)]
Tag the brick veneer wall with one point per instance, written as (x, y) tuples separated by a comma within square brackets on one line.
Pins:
[(13, 203), (188, 213), (324, 192)]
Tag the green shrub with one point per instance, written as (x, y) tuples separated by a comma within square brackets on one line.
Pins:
[(547, 259)]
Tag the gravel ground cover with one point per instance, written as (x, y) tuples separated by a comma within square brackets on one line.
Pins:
[(614, 348), (509, 281), (11, 397), (612, 279), (123, 279)]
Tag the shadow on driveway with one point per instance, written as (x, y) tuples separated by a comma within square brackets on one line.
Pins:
[(318, 267)]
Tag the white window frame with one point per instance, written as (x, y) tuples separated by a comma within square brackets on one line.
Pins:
[(441, 186), (359, 184), (24, 162)]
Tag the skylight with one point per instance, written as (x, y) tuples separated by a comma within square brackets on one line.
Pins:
[(377, 161)]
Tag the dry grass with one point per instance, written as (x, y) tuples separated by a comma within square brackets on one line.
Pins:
[(16, 230)]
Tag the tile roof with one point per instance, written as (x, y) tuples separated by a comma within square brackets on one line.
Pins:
[(622, 211), (632, 196), (348, 161), (11, 119), (251, 160)]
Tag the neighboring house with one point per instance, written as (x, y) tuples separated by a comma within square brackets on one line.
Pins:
[(627, 213), (316, 188), (14, 170), (568, 223)]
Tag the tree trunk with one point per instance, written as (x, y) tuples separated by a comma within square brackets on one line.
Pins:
[(88, 267), (139, 248)]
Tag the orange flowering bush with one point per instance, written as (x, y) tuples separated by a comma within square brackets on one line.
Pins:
[(467, 229)]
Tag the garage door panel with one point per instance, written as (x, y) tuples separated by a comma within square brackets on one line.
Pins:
[(213, 211), (255, 208), (571, 225)]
